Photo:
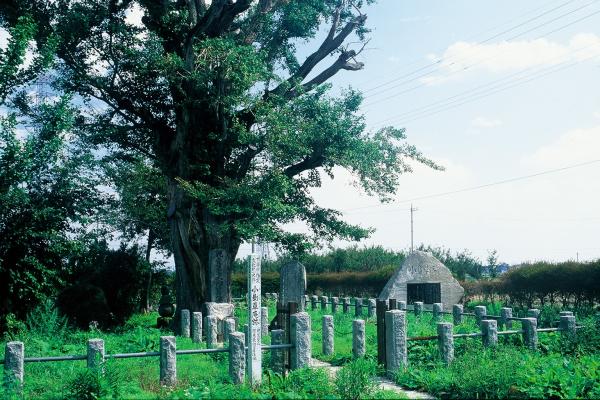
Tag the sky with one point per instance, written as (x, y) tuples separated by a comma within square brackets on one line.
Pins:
[(491, 90), (505, 95)]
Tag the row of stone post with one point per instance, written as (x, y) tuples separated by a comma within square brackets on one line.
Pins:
[(359, 303), (192, 327)]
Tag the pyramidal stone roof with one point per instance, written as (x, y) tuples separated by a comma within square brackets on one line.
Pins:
[(422, 267)]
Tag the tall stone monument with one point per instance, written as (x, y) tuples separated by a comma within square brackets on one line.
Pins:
[(218, 264), (254, 358), (292, 284)]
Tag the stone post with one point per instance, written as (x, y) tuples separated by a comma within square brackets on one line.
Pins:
[(445, 341), (567, 326), (489, 329), (184, 327), (277, 356), (533, 313), (168, 361), (480, 314), (228, 328), (530, 336), (264, 321), (418, 308), (358, 304), (396, 354), (210, 323), (438, 308), (313, 302), (505, 317), (334, 304), (14, 359), (306, 300), (358, 338), (371, 306), (324, 301), (95, 353), (345, 304), (197, 327), (327, 342), (457, 311), (300, 336), (402, 305), (237, 357)]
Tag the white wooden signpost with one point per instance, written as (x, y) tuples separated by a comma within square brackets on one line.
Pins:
[(254, 320)]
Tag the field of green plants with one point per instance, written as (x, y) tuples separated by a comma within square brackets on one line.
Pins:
[(559, 369)]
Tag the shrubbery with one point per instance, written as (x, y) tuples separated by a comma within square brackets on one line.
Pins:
[(567, 284), (107, 286)]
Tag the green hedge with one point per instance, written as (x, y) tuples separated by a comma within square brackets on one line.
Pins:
[(343, 283), (567, 283)]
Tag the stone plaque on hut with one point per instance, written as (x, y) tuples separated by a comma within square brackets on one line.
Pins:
[(292, 280), (422, 277)]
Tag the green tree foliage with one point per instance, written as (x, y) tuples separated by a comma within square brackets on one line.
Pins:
[(463, 264), (47, 195), (140, 210), (218, 97), (14, 73)]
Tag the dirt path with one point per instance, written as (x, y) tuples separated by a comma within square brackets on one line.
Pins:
[(384, 383)]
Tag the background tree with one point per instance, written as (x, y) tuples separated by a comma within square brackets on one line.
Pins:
[(217, 96), (47, 196), (139, 212)]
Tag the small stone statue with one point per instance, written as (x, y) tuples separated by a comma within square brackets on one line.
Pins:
[(166, 308)]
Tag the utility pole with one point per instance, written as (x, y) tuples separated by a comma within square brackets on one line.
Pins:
[(577, 256), (412, 243)]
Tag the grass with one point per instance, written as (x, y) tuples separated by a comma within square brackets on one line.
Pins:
[(199, 376), (558, 370)]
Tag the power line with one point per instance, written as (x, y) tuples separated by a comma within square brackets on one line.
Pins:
[(476, 88), (472, 188), (478, 96), (422, 84), (434, 63)]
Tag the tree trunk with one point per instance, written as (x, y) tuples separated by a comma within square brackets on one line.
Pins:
[(194, 233)]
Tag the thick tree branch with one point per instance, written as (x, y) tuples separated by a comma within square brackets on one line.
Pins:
[(343, 62), (329, 45), (313, 161)]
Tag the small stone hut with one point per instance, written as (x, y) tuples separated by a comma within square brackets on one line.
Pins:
[(422, 277)]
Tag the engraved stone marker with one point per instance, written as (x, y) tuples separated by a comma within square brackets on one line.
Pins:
[(292, 285), (254, 317), (218, 262)]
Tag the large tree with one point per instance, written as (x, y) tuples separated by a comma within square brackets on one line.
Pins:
[(217, 95)]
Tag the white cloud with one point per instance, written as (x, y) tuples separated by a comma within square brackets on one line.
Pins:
[(573, 147), (463, 57), (485, 123)]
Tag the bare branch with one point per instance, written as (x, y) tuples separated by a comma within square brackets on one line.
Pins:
[(341, 63), (329, 45)]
